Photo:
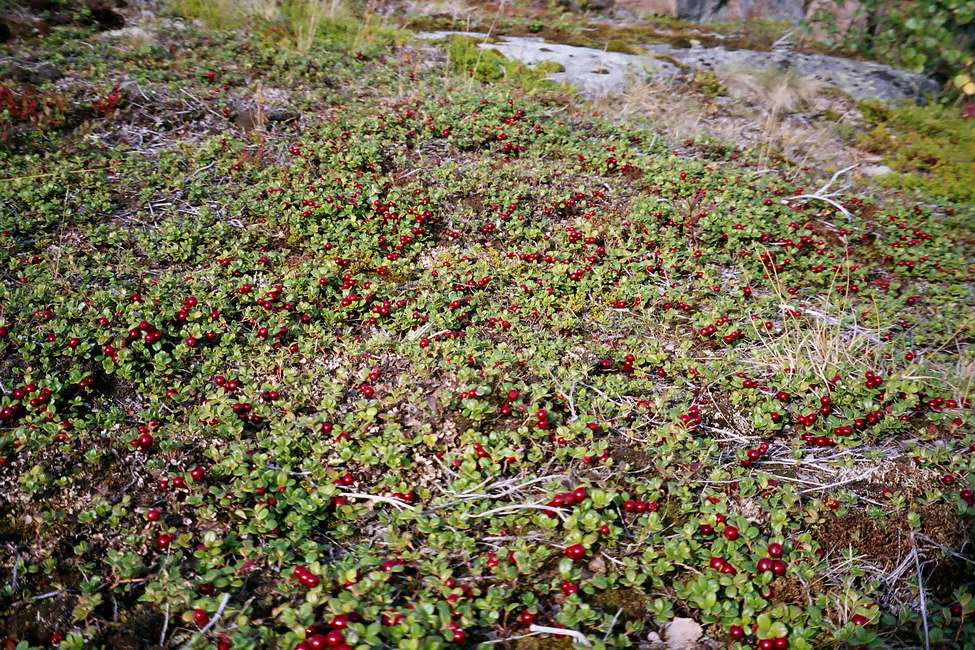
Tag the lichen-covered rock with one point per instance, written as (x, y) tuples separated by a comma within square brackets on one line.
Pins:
[(601, 72), (708, 11), (861, 80)]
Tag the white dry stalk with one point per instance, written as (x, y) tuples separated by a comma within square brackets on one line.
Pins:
[(832, 320), (612, 624), (507, 510), (819, 197), (375, 497), (920, 588), (579, 637), (213, 621), (162, 636), (507, 484), (867, 474)]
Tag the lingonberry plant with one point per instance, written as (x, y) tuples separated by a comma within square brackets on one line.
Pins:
[(408, 360)]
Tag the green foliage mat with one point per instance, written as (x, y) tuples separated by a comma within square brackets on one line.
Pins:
[(347, 343)]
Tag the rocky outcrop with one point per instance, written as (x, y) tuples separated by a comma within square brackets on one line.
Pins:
[(840, 16), (861, 80), (599, 72), (709, 11)]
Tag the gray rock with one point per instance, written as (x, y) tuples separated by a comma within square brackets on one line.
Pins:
[(34, 73), (877, 170), (593, 72), (599, 72), (710, 11), (591, 5), (436, 36), (861, 80)]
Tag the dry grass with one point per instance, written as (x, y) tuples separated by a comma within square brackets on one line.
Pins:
[(216, 14), (454, 9), (824, 339), (306, 19), (779, 92), (766, 113), (676, 114)]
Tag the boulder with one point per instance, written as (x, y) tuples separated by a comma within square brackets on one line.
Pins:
[(601, 72), (33, 73), (861, 80), (641, 8), (709, 11)]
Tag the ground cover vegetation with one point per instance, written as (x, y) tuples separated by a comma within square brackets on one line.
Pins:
[(315, 336)]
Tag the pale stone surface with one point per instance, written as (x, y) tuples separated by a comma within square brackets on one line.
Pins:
[(877, 170), (859, 79), (683, 633), (709, 11), (597, 72), (593, 72)]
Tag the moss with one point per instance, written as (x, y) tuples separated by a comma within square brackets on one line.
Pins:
[(632, 602), (621, 46), (666, 58), (488, 65), (570, 29), (708, 83), (928, 147), (482, 64), (544, 643), (549, 67)]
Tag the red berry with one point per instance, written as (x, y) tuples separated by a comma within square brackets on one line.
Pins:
[(200, 617), (575, 552), (316, 642), (779, 567)]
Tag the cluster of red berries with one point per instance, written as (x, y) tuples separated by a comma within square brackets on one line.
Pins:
[(229, 386), (38, 401), (319, 639), (692, 418), (569, 499), (144, 442), (640, 507), (305, 577)]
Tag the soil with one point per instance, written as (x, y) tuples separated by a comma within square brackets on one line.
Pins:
[(876, 541)]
